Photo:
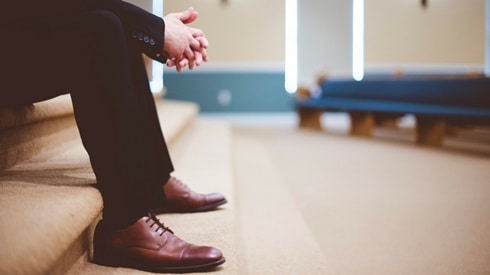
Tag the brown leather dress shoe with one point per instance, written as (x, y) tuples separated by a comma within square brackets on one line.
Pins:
[(180, 198), (149, 245)]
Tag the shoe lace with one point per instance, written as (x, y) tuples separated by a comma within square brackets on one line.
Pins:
[(159, 225), (179, 182)]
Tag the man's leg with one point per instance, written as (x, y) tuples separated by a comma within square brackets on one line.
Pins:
[(119, 125), (130, 158), (87, 55)]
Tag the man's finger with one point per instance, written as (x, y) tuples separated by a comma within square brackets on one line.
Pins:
[(194, 44), (203, 41), (182, 63), (178, 66), (188, 54), (204, 54), (192, 64), (170, 63), (198, 58), (196, 32), (188, 16)]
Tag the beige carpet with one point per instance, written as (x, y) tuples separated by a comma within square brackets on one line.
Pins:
[(274, 237), (385, 205), (48, 201), (45, 204), (202, 159)]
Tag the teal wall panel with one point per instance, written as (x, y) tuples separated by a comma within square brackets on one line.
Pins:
[(231, 91)]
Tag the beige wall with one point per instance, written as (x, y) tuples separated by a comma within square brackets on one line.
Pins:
[(245, 32), (401, 32), (240, 31), (145, 4), (397, 33)]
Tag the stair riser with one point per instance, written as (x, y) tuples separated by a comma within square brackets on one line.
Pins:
[(77, 254), (22, 143)]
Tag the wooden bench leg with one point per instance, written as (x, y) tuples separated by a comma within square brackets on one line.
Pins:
[(451, 130), (362, 123), (430, 130), (309, 118), (387, 120)]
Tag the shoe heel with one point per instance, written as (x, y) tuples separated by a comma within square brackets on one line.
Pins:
[(104, 257), (102, 253), (109, 257)]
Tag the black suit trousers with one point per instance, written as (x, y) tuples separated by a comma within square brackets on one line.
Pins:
[(87, 55)]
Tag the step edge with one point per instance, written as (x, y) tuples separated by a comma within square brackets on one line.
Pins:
[(43, 110)]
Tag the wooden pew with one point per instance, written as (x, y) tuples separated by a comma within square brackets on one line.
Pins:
[(436, 104)]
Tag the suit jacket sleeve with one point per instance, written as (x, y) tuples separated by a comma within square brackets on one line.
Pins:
[(143, 29)]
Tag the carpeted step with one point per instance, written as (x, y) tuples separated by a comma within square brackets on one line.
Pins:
[(28, 130), (274, 237), (48, 204), (202, 158), (17, 116), (175, 116)]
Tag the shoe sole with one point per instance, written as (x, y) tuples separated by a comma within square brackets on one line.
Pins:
[(188, 269), (186, 210), (165, 269)]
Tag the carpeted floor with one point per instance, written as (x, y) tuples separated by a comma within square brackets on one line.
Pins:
[(385, 205)]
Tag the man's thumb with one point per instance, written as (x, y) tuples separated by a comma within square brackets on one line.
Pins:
[(188, 16)]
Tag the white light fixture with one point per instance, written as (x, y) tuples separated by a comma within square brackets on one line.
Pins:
[(291, 46), (487, 39), (156, 83), (358, 40)]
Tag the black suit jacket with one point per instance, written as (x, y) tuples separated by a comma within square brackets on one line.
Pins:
[(142, 28)]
